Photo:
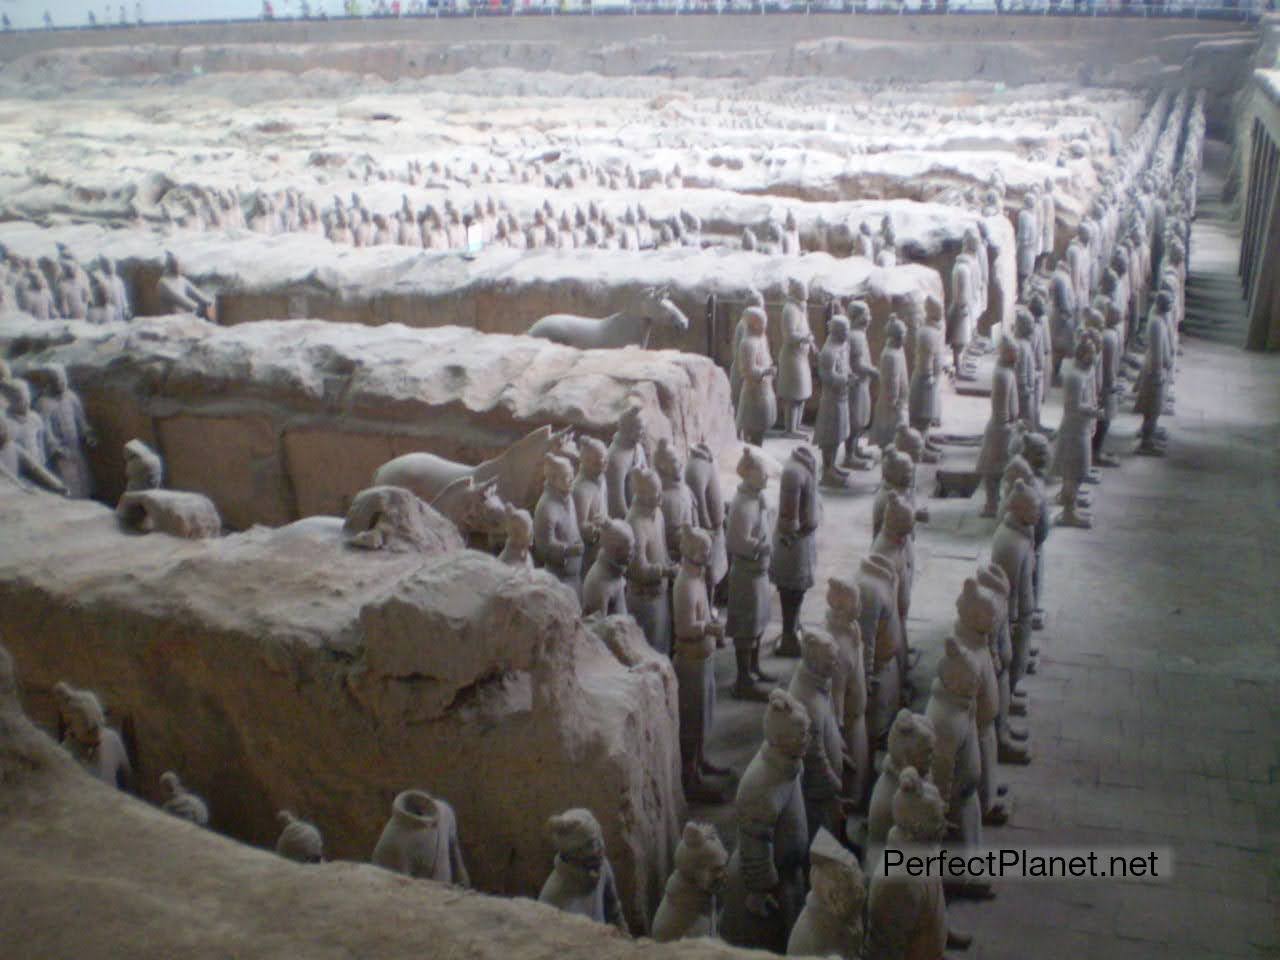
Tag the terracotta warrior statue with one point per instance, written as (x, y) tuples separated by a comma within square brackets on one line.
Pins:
[(1013, 550), (697, 634), (1153, 382), (957, 757), (891, 401), (581, 879), (882, 638), (1026, 374), (590, 498), (299, 840), (832, 425), (557, 542), (964, 309), (703, 477), (1075, 432), (757, 407), (849, 684), (67, 430), (517, 549), (830, 925), (979, 612), (747, 539), (896, 543), (907, 915), (998, 437), (795, 382), (604, 591), (861, 372), (648, 599), (421, 840), (823, 777), (911, 746), (143, 468), (688, 907), (181, 802), (28, 428), (677, 498), (766, 872), (88, 739), (626, 452), (924, 394), (17, 464), (177, 294), (1028, 237), (794, 557), (754, 299)]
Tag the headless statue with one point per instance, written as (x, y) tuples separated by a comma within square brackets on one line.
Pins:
[(794, 557), (181, 802), (299, 840), (421, 840), (911, 745), (604, 591)]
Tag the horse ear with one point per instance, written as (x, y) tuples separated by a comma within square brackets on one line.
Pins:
[(489, 486), (461, 485)]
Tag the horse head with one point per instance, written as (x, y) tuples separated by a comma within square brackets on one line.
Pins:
[(657, 306)]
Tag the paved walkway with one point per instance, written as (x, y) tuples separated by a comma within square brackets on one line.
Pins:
[(1156, 711)]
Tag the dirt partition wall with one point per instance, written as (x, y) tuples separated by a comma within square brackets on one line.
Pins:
[(279, 420), (281, 669), (500, 290)]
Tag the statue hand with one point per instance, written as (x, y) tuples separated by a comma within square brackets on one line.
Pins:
[(761, 904)]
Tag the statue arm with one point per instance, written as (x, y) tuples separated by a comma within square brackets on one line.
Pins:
[(546, 535), (789, 508), (457, 869), (755, 845), (613, 903), (38, 473), (646, 568)]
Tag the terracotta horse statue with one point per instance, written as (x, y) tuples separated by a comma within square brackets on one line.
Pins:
[(627, 328)]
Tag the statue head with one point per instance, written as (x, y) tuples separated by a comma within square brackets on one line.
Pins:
[(171, 266), (971, 240), (81, 711), (666, 460), (617, 541), (557, 473), (1024, 324), (790, 221), (909, 440), (843, 599), (1029, 200), (838, 328), (701, 858), (518, 526), (695, 545), (797, 290), (18, 392), (919, 813), (896, 331), (631, 427), (592, 455), (818, 652), (144, 470), (1164, 302), (299, 841), (1035, 450), (578, 841), (911, 740), (751, 470), (836, 878), (899, 516), (1086, 351), (646, 488), (786, 724), (1022, 503), (859, 315), (803, 454), (897, 469), (976, 608)]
